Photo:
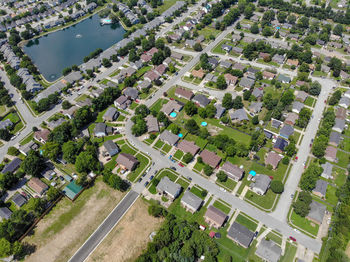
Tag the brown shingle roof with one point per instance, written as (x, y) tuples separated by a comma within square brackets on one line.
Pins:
[(42, 134), (210, 158), (184, 93), (188, 147), (37, 185), (127, 160), (215, 215), (198, 73), (273, 159), (341, 113), (232, 170)]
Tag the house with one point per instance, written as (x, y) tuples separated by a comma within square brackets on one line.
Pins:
[(183, 93), (70, 112), (120, 101), (320, 188), (151, 76), (167, 62), (27, 147), (331, 154), (86, 102), (273, 159), (169, 137), (210, 158), (344, 102), (279, 59), (280, 144), (269, 251), (264, 56), (239, 66), (291, 119), (191, 202), (12, 166), (131, 93), (211, 78), (286, 131), (176, 55), (215, 217), (276, 123), (168, 188), (255, 108), (6, 123), (127, 161), (145, 84), (230, 79), (161, 69), (101, 129), (317, 212), (201, 100), (220, 110), (198, 73), (172, 106), (297, 106), (111, 147), (188, 147), (261, 184), (152, 124), (334, 138), (240, 234), (292, 62), (268, 75), (344, 75), (258, 92), (341, 113), (246, 82), (145, 58), (325, 68), (213, 62), (5, 213), (268, 134), (339, 125), (238, 115), (226, 48), (284, 79), (301, 96), (19, 200), (190, 43), (42, 135), (237, 50), (37, 185), (111, 114), (233, 171), (327, 170)]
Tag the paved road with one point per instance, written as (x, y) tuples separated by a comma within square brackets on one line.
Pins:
[(107, 225)]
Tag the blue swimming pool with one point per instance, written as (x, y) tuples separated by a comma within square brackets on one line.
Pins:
[(204, 124), (173, 114), (180, 135)]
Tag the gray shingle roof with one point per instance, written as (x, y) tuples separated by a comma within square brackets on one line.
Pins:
[(12, 166), (19, 200), (239, 115), (240, 234), (169, 187), (262, 182), (286, 131), (5, 213), (321, 187), (269, 250), (201, 99), (317, 211), (246, 82), (169, 137), (327, 170), (111, 147), (191, 200)]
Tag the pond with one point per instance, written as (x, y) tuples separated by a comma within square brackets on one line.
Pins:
[(54, 52)]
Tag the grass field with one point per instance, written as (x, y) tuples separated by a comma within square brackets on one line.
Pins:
[(224, 208), (245, 221), (229, 183), (304, 224), (266, 201), (27, 139), (158, 104)]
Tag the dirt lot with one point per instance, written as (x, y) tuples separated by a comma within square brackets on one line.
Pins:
[(127, 240), (68, 225)]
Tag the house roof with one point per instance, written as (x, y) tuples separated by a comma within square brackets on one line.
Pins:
[(171, 106), (5, 213), (269, 250), (340, 113), (42, 134), (210, 158), (133, 93), (198, 73), (283, 78), (256, 107), (268, 74), (110, 113), (152, 124), (169, 137), (246, 82), (344, 101), (320, 187), (220, 110), (233, 170), (339, 124), (286, 131), (327, 170), (168, 186), (280, 144), (191, 200), (276, 123), (262, 182), (201, 99), (273, 159), (302, 95), (184, 93), (111, 147), (238, 114), (56, 123), (334, 138), (19, 200), (331, 152), (297, 106), (126, 160), (37, 185), (216, 215), (258, 92), (188, 147), (4, 124), (241, 234), (12, 166), (100, 128), (291, 118), (317, 211)]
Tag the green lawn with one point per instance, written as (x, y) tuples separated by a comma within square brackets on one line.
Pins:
[(245, 221), (340, 176), (27, 139), (200, 142), (274, 237), (266, 201), (166, 5), (330, 195), (197, 191), (178, 154), (133, 105), (14, 118), (126, 149), (17, 127), (158, 144), (343, 159), (304, 224), (224, 208), (198, 167), (289, 253), (182, 182), (166, 148), (2, 110), (142, 71), (81, 98), (157, 106), (309, 101), (229, 183)]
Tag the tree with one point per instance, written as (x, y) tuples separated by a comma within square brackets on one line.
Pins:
[(335, 98), (221, 82), (338, 30), (51, 150), (157, 210), (5, 248), (86, 162), (192, 126), (12, 151), (82, 117), (114, 181), (301, 208), (227, 101), (315, 88), (52, 194), (70, 151), (190, 108), (203, 133), (197, 47), (290, 149), (142, 110), (208, 170), (254, 29), (210, 111), (187, 158), (175, 129), (221, 176), (255, 120), (66, 105), (310, 176), (277, 186), (237, 102), (33, 164), (106, 62), (139, 128)]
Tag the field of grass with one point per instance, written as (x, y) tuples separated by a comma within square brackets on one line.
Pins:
[(14, 118), (343, 159), (27, 139), (166, 5), (224, 208), (81, 98), (157, 106), (274, 237), (178, 154), (229, 183), (266, 201), (2, 110), (331, 195), (158, 144), (304, 224), (197, 191), (243, 220), (309, 101)]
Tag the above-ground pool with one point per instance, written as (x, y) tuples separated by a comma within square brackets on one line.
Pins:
[(204, 124), (278, 28), (173, 114), (180, 135), (252, 172)]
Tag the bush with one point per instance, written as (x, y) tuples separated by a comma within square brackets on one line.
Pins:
[(12, 151), (187, 158), (157, 210), (277, 186), (222, 176), (208, 170)]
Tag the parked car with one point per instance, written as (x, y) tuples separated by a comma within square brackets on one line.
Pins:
[(146, 183), (292, 238), (140, 179), (151, 177), (173, 168)]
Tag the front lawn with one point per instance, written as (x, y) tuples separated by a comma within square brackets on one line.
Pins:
[(157, 106), (245, 221), (343, 159), (178, 154), (229, 183), (197, 191), (304, 224), (224, 208), (309, 101), (266, 201), (331, 195)]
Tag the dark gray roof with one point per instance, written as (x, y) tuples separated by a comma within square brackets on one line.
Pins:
[(339, 124), (169, 137), (258, 92), (321, 187), (19, 200), (5, 213), (12, 166), (317, 211), (280, 144), (239, 114), (220, 110), (110, 113), (269, 251), (256, 107), (169, 187), (276, 123), (100, 127), (286, 131), (246, 82), (241, 234), (111, 147), (191, 200), (131, 92), (201, 99), (297, 105), (283, 78)]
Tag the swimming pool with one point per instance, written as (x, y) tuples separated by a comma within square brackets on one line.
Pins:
[(180, 135), (173, 114), (204, 124)]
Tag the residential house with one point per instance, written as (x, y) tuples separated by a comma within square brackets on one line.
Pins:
[(279, 59), (201, 100), (255, 107), (226, 48), (339, 125), (233, 171), (347, 94), (269, 251), (5, 124), (172, 106), (320, 188), (261, 184), (215, 217), (176, 55), (210, 158), (341, 113), (292, 62), (152, 124), (71, 112), (198, 73), (5, 213), (325, 68), (239, 66), (131, 93), (111, 114), (280, 144), (12, 166), (188, 147), (191, 202), (101, 129), (238, 115), (169, 137), (37, 185), (145, 84), (127, 161), (273, 159), (213, 62), (291, 119), (237, 50), (301, 96), (276, 123), (286, 131), (183, 93), (258, 93), (331, 154), (168, 188), (145, 58), (334, 138), (344, 102), (264, 56), (24, 149), (317, 212), (230, 79), (42, 135), (220, 110), (19, 200), (211, 78), (121, 102), (284, 79), (240, 234), (161, 69), (268, 75), (344, 75), (327, 170), (297, 106), (111, 147), (246, 82)]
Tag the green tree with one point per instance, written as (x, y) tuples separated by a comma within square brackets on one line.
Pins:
[(190, 108), (255, 28), (33, 164), (208, 170), (237, 102), (86, 162), (187, 158), (192, 126), (221, 83), (227, 101), (221, 176), (52, 194), (197, 47), (66, 105), (5, 248), (277, 186), (51, 150)]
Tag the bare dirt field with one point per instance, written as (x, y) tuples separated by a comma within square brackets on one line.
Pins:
[(60, 233), (127, 240)]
